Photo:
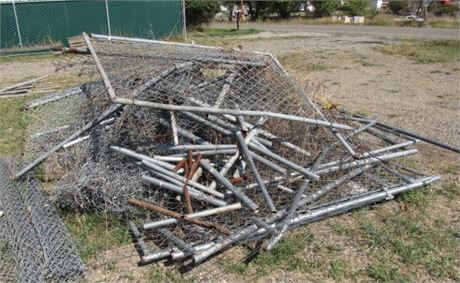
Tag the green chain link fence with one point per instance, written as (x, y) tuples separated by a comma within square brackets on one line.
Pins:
[(28, 23)]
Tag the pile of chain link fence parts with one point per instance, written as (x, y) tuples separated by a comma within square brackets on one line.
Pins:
[(34, 243), (199, 149)]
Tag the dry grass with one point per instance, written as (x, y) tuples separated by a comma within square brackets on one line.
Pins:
[(374, 20), (424, 52)]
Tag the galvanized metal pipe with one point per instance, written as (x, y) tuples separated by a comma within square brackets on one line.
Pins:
[(150, 104), (192, 184), (186, 147), (100, 68), (206, 152), (139, 242), (220, 178), (255, 172), (225, 89), (371, 153), (17, 23), (268, 163), (193, 193), (284, 161), (200, 214), (406, 133), (183, 132), (367, 161), (183, 246), (172, 116), (141, 157)]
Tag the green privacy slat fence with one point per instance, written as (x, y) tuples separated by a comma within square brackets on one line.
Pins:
[(48, 21)]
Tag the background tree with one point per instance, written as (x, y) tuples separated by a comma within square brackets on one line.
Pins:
[(324, 8), (284, 9), (198, 12), (398, 7)]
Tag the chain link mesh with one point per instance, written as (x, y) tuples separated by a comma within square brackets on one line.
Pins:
[(46, 22), (35, 244)]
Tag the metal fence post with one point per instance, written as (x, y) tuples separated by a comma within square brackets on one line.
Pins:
[(17, 24), (108, 17), (184, 22), (0, 29)]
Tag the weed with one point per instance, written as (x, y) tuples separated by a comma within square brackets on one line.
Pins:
[(341, 230), (415, 198), (158, 274), (239, 268), (442, 268), (386, 273), (339, 269)]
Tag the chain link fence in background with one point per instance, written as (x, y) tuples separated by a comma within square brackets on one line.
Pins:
[(27, 23)]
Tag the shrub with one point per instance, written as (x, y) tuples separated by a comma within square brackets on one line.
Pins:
[(356, 7), (198, 12), (325, 8), (439, 9), (398, 7)]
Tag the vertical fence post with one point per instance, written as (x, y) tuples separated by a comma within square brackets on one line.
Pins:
[(1, 29), (17, 24), (184, 22), (108, 17)]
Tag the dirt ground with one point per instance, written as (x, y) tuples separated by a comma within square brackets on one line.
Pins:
[(352, 73)]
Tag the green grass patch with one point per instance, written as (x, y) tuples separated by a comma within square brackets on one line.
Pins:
[(28, 57), (386, 273), (425, 52), (222, 32), (95, 233), (13, 125), (406, 241), (415, 198), (219, 36)]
